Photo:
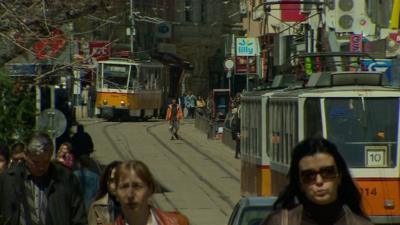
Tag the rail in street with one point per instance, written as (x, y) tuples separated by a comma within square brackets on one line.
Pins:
[(197, 176)]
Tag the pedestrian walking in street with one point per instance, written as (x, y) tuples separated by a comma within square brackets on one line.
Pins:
[(91, 99), (4, 157), (201, 105), (89, 180), (174, 115), (17, 154), (39, 191), (190, 104), (105, 208), (84, 101), (320, 190), (82, 143), (65, 156), (135, 187), (235, 127)]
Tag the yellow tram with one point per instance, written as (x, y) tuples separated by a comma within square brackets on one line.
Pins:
[(352, 109), (128, 88)]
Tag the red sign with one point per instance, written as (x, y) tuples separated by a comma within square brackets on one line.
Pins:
[(290, 12), (395, 37), (101, 50), (241, 64), (356, 43), (50, 46)]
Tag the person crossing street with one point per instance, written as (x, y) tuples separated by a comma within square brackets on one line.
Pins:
[(174, 115)]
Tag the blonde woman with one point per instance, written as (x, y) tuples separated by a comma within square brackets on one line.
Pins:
[(64, 155), (135, 186)]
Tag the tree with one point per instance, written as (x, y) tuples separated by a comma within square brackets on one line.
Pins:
[(17, 111), (24, 22)]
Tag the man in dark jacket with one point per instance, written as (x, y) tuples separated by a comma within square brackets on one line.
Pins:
[(82, 143), (40, 192), (235, 126)]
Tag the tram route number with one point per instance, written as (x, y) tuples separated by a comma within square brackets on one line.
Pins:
[(370, 192), (376, 156)]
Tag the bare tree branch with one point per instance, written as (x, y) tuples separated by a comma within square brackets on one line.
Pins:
[(24, 22)]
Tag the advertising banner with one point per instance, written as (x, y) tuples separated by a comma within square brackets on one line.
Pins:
[(247, 47), (292, 12), (356, 43), (100, 50)]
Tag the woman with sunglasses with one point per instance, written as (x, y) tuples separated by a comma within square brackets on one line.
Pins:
[(135, 187), (320, 189)]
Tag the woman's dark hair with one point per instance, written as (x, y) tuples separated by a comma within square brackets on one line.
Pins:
[(104, 179), (17, 148), (5, 152), (348, 193)]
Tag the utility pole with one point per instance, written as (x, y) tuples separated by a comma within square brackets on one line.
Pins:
[(133, 31)]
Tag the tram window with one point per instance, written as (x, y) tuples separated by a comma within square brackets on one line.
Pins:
[(312, 118), (115, 76), (142, 79), (133, 78), (357, 124)]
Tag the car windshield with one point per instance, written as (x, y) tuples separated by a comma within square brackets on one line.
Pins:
[(254, 215)]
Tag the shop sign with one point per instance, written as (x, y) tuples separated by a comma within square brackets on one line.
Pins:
[(246, 46), (100, 50), (356, 43), (241, 65)]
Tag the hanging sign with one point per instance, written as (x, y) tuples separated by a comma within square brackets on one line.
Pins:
[(247, 47)]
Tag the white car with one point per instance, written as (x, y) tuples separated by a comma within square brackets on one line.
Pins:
[(251, 210)]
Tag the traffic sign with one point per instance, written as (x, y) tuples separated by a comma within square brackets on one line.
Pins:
[(53, 122), (228, 64)]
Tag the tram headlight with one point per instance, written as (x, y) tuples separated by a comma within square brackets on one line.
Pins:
[(122, 103), (388, 204), (105, 102)]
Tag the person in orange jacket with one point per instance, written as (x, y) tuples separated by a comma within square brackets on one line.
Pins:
[(174, 115)]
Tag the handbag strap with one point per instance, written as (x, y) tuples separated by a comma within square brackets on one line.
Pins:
[(284, 217)]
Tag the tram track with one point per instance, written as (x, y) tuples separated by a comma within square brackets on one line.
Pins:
[(197, 174), (113, 143), (126, 153)]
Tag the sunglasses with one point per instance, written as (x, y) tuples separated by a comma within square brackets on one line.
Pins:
[(327, 173)]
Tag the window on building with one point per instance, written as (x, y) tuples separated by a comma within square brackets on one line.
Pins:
[(188, 11)]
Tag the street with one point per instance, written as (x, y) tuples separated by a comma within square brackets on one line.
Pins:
[(197, 176)]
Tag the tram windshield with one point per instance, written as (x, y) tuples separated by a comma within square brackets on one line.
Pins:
[(364, 130), (115, 76)]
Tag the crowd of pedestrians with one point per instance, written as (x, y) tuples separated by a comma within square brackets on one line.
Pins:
[(36, 189), (40, 190)]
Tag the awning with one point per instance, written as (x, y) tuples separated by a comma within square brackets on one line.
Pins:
[(172, 60)]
